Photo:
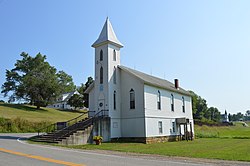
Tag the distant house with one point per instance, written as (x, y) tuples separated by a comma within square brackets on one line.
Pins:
[(61, 103), (224, 117)]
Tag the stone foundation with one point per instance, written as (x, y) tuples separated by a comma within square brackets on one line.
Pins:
[(162, 139), (146, 140)]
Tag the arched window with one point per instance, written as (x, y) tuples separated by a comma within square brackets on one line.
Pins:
[(114, 76), (183, 104), (172, 102), (114, 100), (159, 100), (114, 55), (101, 55), (101, 75), (132, 99)]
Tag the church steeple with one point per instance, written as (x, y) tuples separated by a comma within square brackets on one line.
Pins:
[(107, 36), (107, 77)]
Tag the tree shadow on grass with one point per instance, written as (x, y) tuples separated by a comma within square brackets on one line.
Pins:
[(23, 107), (73, 111)]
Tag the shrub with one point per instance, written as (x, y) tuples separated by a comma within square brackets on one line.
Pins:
[(20, 125)]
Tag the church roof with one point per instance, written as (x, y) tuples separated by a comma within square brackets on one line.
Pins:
[(154, 81), (91, 86), (107, 35)]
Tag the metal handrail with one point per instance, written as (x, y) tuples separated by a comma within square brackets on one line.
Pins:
[(85, 123), (55, 124)]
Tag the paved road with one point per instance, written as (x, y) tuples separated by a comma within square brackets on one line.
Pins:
[(15, 151)]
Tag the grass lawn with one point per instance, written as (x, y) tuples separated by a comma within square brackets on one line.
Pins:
[(212, 148), (30, 113), (226, 143), (236, 131), (222, 144)]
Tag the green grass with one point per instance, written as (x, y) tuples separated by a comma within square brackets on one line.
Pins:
[(236, 131), (25, 118), (226, 143), (30, 113), (216, 148), (219, 145)]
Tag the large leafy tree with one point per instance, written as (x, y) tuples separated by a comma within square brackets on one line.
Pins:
[(201, 110), (34, 80), (199, 106), (66, 83), (212, 113)]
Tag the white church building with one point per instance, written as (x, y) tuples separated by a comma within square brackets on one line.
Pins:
[(137, 106)]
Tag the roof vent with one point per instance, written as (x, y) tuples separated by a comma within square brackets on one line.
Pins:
[(176, 83)]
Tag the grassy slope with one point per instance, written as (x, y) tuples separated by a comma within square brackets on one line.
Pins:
[(237, 131), (30, 113)]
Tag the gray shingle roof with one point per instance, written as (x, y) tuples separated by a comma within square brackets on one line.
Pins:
[(154, 81)]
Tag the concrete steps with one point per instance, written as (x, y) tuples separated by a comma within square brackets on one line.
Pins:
[(76, 134), (78, 138)]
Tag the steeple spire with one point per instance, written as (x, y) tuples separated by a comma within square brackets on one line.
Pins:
[(107, 35)]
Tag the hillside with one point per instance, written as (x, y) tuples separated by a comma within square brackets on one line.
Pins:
[(235, 131), (30, 113)]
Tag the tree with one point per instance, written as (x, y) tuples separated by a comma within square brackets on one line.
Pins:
[(76, 101), (234, 117), (248, 113), (34, 80), (66, 83), (215, 114), (201, 110), (230, 117), (89, 82), (199, 106), (209, 113), (82, 89), (237, 117)]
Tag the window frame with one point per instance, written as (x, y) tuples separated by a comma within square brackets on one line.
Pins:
[(114, 55), (101, 55), (132, 99), (172, 102), (173, 127), (160, 127), (159, 100), (183, 105), (101, 75), (114, 75), (114, 102)]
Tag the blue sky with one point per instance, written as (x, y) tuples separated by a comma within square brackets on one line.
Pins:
[(205, 44)]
